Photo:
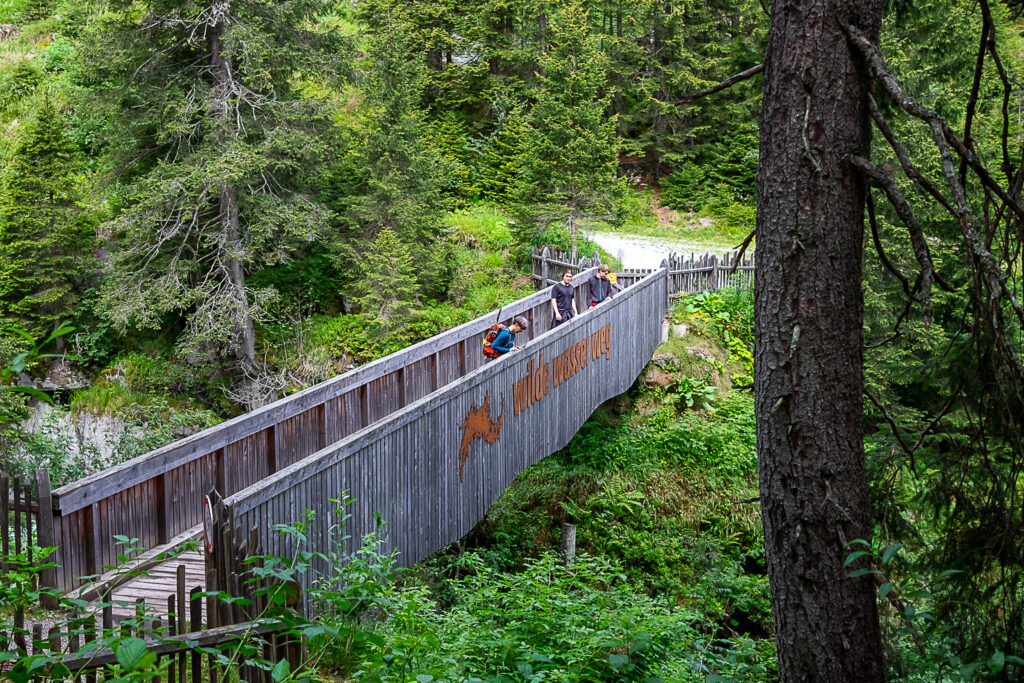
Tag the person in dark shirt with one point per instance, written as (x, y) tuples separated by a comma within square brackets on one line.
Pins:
[(599, 287), (563, 300), (506, 339)]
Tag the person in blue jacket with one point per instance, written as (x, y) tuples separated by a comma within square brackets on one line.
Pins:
[(506, 339), (599, 286)]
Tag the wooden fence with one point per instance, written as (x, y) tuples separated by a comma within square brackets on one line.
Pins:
[(18, 513), (195, 635), (191, 649), (432, 469), (157, 498), (549, 263), (687, 274)]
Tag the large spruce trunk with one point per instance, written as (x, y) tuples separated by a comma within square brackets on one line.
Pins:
[(808, 318), (224, 90)]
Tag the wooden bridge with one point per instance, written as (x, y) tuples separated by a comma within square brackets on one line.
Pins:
[(426, 438)]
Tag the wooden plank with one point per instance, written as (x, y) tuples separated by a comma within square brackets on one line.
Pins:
[(45, 536), (101, 484), (289, 477)]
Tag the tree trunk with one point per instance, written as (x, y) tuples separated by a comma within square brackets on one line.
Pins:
[(244, 333), (808, 319)]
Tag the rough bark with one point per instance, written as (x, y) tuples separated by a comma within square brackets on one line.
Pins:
[(244, 332), (808, 319)]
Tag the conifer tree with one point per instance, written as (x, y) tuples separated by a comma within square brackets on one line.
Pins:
[(41, 240), (403, 173), (501, 170), (217, 136), (388, 284), (449, 138), (572, 150)]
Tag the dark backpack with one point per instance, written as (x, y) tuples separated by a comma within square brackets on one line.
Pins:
[(492, 334)]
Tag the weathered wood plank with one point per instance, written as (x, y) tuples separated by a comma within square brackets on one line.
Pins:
[(412, 456), (102, 484)]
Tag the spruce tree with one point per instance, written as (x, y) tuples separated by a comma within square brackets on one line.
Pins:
[(41, 240), (388, 287), (503, 161), (403, 173), (217, 141), (572, 151)]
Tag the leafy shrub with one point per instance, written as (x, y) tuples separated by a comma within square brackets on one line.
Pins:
[(94, 341), (481, 227), (730, 312)]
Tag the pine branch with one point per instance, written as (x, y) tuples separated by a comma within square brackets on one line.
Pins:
[(727, 83), (946, 141), (880, 179)]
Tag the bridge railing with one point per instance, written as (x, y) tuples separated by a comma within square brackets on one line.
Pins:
[(157, 497), (432, 469), (687, 274)]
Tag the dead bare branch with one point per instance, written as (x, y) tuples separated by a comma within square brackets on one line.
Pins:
[(880, 179), (727, 83)]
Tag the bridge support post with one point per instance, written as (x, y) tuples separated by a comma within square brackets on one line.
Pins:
[(568, 543), (45, 537)]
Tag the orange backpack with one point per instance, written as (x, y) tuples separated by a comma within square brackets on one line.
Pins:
[(492, 334)]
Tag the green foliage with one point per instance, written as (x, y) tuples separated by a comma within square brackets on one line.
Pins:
[(360, 337), (388, 287), (42, 242), (569, 166), (480, 227), (730, 314), (217, 174), (402, 175), (502, 164), (310, 280), (449, 137), (724, 174), (12, 404), (585, 622)]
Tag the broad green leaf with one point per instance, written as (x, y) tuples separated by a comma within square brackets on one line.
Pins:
[(618, 661), (34, 393), (857, 573), (890, 551), (131, 652), (854, 555), (280, 671)]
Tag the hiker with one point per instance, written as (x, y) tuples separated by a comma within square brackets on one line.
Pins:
[(500, 339), (563, 300), (599, 286)]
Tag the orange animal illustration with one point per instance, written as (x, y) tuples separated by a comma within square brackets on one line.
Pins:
[(479, 425)]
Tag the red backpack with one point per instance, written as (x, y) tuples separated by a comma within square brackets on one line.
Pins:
[(492, 334)]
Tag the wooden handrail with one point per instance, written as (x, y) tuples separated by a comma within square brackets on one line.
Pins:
[(99, 485), (257, 493)]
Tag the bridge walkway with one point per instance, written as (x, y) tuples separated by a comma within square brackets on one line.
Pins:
[(426, 438)]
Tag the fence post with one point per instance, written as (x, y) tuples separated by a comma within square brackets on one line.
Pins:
[(714, 273), (545, 254), (568, 544), (668, 290), (45, 538)]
